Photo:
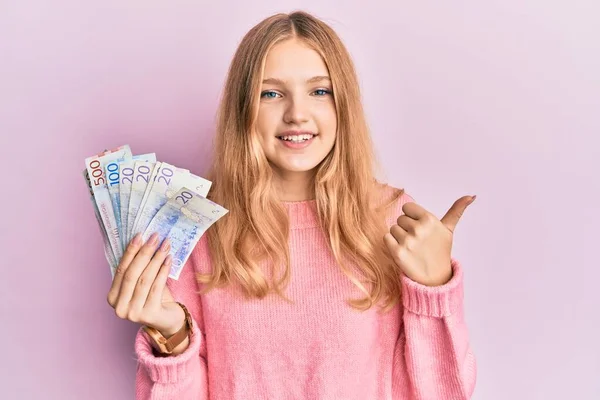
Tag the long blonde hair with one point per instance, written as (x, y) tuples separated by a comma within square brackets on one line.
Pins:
[(345, 186)]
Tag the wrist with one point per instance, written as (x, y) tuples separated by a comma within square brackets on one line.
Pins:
[(173, 338), (444, 279), (179, 321)]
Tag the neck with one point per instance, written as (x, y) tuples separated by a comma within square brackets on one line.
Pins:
[(295, 186)]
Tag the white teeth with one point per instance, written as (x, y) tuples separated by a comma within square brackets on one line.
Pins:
[(297, 138)]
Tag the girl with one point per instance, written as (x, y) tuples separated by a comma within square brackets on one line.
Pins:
[(321, 282)]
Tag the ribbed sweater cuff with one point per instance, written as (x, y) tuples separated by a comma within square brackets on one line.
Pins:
[(170, 369), (434, 301)]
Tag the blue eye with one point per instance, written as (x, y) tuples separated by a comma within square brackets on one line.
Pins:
[(269, 94), (322, 92)]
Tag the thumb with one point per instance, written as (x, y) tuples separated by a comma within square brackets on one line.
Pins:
[(456, 211)]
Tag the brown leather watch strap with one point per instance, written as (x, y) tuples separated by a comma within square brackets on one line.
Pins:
[(165, 345)]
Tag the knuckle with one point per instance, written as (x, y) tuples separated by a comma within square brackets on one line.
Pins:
[(142, 282), (121, 312), (120, 270), (133, 315), (397, 256), (129, 278), (419, 229), (400, 251)]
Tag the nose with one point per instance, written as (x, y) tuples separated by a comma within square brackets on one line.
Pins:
[(296, 112)]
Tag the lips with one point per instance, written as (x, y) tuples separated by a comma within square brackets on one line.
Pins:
[(295, 133)]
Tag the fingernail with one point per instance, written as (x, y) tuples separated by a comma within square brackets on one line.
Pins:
[(168, 260), (153, 239), (137, 239), (166, 245)]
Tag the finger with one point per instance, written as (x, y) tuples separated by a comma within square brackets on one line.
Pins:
[(147, 278), (398, 233), (450, 220), (133, 273), (394, 249), (413, 210), (407, 223), (391, 243), (130, 252), (156, 291)]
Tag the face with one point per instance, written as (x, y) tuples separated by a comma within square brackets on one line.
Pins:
[(296, 115)]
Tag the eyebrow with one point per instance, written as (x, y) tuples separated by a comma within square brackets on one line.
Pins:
[(275, 81)]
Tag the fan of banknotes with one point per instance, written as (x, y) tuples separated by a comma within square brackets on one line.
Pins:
[(135, 194)]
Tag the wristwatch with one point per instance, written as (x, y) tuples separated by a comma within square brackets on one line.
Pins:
[(166, 345)]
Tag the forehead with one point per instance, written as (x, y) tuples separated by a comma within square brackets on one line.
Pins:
[(293, 60)]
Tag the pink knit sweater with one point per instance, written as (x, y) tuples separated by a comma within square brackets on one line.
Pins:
[(318, 347)]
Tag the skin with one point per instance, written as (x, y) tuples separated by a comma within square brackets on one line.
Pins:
[(421, 244), (296, 94), (139, 293)]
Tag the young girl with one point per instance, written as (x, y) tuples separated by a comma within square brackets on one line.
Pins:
[(321, 282)]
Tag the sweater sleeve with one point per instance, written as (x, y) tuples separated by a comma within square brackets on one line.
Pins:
[(432, 353), (184, 376)]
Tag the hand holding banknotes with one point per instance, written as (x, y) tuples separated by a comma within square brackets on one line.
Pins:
[(135, 194), (151, 215), (139, 292)]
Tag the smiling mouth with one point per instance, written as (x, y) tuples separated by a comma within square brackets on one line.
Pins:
[(296, 138)]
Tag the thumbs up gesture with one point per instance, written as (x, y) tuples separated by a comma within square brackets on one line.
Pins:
[(421, 244)]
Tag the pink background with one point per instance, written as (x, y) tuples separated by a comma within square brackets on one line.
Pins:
[(495, 98)]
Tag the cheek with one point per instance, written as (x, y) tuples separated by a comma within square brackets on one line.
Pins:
[(261, 124), (266, 121), (327, 119)]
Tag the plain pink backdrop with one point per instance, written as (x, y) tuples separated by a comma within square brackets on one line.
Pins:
[(494, 98)]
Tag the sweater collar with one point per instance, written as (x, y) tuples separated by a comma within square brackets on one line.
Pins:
[(302, 214)]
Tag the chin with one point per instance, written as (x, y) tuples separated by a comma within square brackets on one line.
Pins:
[(295, 168)]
